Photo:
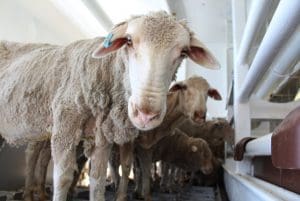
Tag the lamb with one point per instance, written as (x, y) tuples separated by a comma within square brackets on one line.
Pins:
[(50, 91), (186, 99), (179, 149), (215, 132)]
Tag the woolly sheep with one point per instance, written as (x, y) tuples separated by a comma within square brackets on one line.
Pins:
[(52, 91)]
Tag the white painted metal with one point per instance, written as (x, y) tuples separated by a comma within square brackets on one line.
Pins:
[(260, 146), (261, 109), (256, 19), (240, 114), (282, 26), (241, 111), (248, 188), (281, 66), (99, 13)]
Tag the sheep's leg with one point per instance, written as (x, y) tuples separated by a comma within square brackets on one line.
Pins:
[(32, 154), (171, 180), (114, 162), (126, 155), (164, 176), (65, 137), (138, 191), (81, 159), (41, 173), (99, 160), (146, 164)]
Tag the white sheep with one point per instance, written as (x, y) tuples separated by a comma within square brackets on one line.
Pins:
[(53, 91)]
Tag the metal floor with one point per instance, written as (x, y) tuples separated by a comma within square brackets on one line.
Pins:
[(192, 193)]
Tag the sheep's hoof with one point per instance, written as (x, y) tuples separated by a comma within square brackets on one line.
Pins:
[(28, 196), (164, 189), (43, 196), (148, 199), (121, 198), (138, 195)]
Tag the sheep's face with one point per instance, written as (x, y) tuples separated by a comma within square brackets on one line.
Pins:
[(201, 153), (155, 46), (193, 96)]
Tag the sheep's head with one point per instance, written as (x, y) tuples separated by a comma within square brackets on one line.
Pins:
[(155, 45), (202, 154), (193, 96)]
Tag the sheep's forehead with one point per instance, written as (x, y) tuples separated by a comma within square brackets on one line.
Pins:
[(159, 31), (198, 84)]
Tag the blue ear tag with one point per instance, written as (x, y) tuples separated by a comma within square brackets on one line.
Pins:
[(107, 41)]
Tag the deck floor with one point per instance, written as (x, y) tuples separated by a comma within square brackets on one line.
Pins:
[(191, 193)]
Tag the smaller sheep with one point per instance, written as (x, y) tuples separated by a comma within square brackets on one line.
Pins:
[(215, 132), (179, 149)]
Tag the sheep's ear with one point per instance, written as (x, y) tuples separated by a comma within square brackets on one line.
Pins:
[(178, 86), (213, 93), (114, 40), (201, 55), (194, 148)]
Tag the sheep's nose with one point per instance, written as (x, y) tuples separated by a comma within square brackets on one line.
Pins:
[(199, 116), (207, 170), (145, 116)]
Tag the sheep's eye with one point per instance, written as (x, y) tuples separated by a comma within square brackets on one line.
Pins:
[(184, 53), (129, 41)]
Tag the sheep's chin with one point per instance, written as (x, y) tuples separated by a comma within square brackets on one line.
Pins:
[(145, 127)]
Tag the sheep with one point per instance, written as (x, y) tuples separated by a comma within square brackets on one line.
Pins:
[(185, 99), (52, 91), (179, 149), (215, 132)]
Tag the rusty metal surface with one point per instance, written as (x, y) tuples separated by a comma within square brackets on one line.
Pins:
[(286, 142), (285, 178)]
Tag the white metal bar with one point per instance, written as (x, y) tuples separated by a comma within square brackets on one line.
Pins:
[(247, 188), (283, 24), (280, 66), (99, 13), (256, 18), (241, 111), (261, 109), (260, 146)]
